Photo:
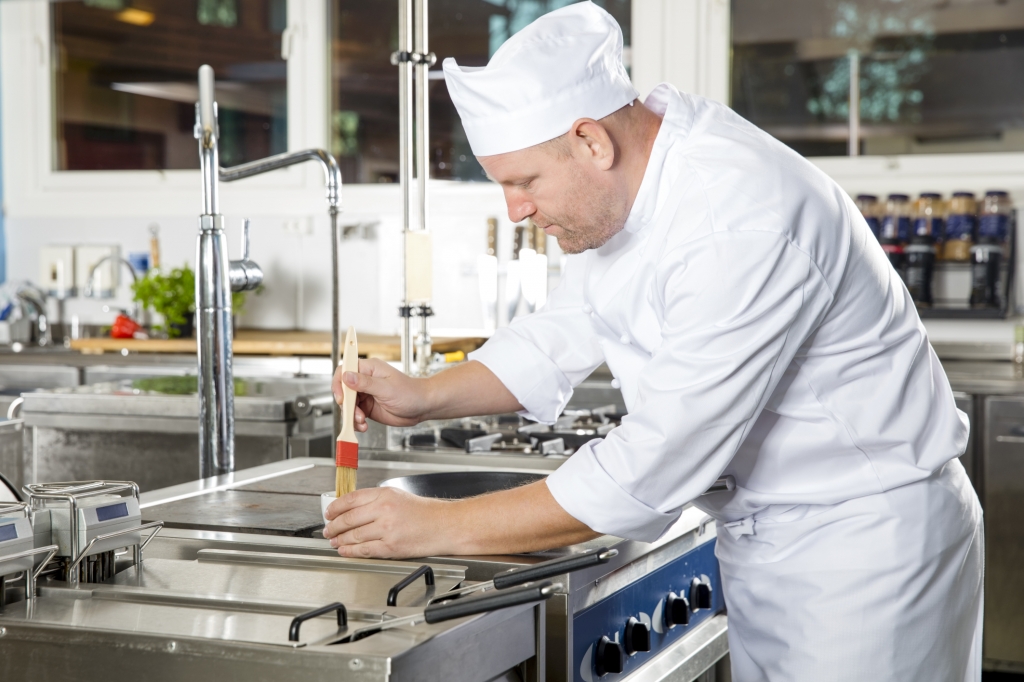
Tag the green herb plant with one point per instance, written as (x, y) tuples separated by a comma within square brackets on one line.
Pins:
[(173, 295)]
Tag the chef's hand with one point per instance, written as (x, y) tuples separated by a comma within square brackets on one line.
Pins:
[(384, 394), (388, 523)]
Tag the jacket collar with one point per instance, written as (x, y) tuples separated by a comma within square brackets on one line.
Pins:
[(660, 175)]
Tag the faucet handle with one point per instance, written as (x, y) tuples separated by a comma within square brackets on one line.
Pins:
[(243, 274), (245, 239)]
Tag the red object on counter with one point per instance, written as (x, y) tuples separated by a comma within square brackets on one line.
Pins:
[(124, 327)]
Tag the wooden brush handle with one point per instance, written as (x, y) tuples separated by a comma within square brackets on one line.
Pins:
[(349, 363)]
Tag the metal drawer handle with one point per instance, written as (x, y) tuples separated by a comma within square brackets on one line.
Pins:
[(1010, 439), (428, 576), (293, 629)]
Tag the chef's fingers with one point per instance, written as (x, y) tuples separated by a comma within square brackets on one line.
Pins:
[(375, 549), (355, 536), (350, 519), (364, 383), (354, 499), (376, 368), (337, 387), (369, 369)]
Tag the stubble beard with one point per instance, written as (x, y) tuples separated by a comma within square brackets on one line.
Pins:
[(591, 218)]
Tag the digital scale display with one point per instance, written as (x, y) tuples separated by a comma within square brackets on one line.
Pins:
[(8, 532), (114, 511)]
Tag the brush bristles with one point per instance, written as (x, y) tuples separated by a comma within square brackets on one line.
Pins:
[(344, 481)]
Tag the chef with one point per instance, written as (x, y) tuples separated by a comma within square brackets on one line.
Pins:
[(754, 327)]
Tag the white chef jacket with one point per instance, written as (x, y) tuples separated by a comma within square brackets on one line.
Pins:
[(755, 328)]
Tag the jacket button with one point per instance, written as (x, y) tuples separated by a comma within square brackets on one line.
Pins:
[(624, 339), (587, 309), (616, 383)]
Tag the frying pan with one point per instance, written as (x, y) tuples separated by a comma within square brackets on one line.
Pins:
[(455, 485)]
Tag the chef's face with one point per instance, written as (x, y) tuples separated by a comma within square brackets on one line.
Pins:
[(568, 186)]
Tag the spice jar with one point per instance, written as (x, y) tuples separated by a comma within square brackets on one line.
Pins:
[(960, 227)]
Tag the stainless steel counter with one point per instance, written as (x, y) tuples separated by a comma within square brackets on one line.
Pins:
[(146, 429), (228, 615), (297, 483)]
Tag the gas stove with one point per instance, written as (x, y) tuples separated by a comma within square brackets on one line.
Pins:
[(509, 434)]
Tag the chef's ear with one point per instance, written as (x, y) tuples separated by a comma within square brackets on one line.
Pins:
[(592, 143)]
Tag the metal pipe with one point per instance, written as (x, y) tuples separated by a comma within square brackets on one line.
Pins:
[(335, 314), (406, 113), (853, 146), (422, 132)]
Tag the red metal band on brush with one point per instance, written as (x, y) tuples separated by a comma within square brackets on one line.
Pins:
[(347, 455)]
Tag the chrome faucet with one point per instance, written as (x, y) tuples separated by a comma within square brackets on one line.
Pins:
[(33, 299), (91, 290), (217, 277)]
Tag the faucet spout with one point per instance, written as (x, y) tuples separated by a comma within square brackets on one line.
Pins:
[(332, 172)]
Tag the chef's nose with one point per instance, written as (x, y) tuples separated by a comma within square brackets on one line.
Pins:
[(519, 206)]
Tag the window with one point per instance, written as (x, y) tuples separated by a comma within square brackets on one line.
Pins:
[(934, 77), (125, 81), (364, 97)]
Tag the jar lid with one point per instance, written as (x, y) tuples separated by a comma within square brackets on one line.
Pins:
[(930, 195), (899, 197), (964, 194), (996, 193), (867, 197)]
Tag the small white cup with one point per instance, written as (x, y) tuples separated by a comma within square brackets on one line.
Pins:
[(325, 502)]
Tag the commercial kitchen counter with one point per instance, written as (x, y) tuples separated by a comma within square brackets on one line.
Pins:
[(277, 506), (273, 342)]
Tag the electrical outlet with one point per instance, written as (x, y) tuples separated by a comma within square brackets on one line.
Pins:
[(57, 270), (106, 277)]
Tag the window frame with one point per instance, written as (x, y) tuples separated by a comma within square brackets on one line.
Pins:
[(908, 173), (37, 190)]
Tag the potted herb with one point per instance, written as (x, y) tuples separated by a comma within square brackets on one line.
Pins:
[(173, 295)]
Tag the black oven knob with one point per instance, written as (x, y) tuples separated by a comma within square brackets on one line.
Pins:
[(638, 637), (677, 610), (700, 594), (609, 657)]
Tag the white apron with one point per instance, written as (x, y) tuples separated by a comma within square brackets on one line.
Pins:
[(881, 588)]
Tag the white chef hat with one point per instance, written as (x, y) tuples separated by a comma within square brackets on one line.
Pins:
[(565, 66)]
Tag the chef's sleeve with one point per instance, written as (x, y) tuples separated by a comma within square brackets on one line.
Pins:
[(738, 306), (541, 357)]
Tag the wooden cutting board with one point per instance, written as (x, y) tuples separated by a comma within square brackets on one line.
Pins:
[(269, 342)]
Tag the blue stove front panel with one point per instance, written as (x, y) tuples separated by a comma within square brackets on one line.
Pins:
[(645, 601)]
